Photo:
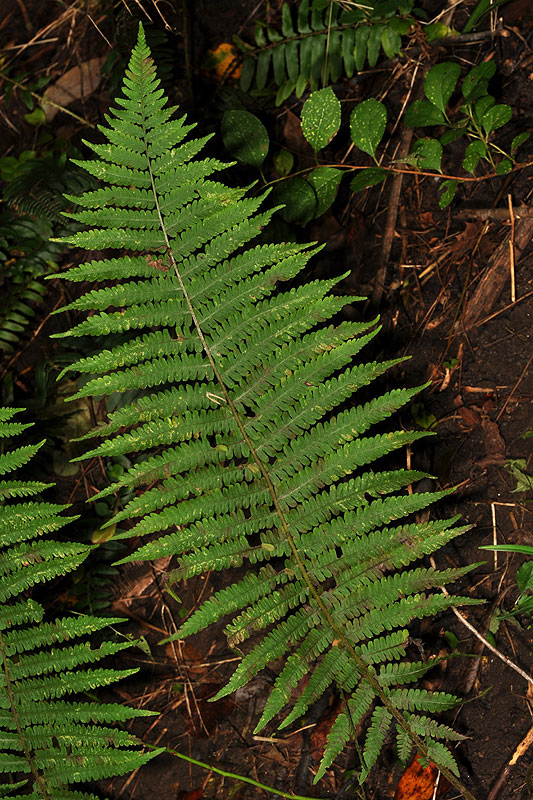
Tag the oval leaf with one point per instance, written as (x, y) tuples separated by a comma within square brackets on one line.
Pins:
[(448, 191), (429, 152), (474, 152), (367, 125), (368, 177), (422, 113), (495, 117), (476, 83), (325, 181), (299, 199), (321, 118), (440, 82), (245, 137), (518, 140)]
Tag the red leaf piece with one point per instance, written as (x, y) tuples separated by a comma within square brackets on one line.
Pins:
[(418, 782)]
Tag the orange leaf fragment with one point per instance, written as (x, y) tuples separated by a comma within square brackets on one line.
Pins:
[(223, 63), (418, 782)]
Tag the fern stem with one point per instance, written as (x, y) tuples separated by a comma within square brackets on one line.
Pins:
[(232, 775), (39, 779), (313, 590)]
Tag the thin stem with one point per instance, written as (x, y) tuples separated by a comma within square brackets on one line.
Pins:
[(232, 775), (405, 171), (45, 101)]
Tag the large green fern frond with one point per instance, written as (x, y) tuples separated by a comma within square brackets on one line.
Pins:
[(54, 742), (261, 457)]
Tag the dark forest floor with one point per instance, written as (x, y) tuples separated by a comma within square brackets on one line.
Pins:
[(473, 347)]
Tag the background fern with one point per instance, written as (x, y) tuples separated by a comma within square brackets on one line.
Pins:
[(33, 199), (261, 455), (320, 42), (49, 741)]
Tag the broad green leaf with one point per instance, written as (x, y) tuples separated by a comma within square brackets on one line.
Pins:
[(474, 152), (450, 136), (448, 191), (36, 117), (524, 577), (440, 82), (321, 118), (299, 199), (518, 140), (367, 125), (283, 162), (245, 137), (368, 177), (421, 113), (482, 106), (495, 117), (476, 82), (437, 30), (429, 152), (325, 181)]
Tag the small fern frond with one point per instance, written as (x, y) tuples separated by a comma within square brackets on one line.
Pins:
[(246, 388), (56, 742), (324, 43)]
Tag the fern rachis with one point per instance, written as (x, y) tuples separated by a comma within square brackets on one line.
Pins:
[(239, 389)]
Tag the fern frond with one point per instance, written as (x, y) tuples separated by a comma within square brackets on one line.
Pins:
[(246, 391), (56, 742), (324, 43)]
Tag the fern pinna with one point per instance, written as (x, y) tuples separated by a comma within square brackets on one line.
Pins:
[(46, 741), (261, 458)]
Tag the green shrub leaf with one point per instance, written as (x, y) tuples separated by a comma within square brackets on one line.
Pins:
[(321, 118), (325, 181), (495, 117), (504, 166), (448, 191), (519, 140), (476, 82), (422, 113), (299, 199), (429, 152), (368, 177), (474, 152), (245, 137), (440, 82), (367, 125)]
